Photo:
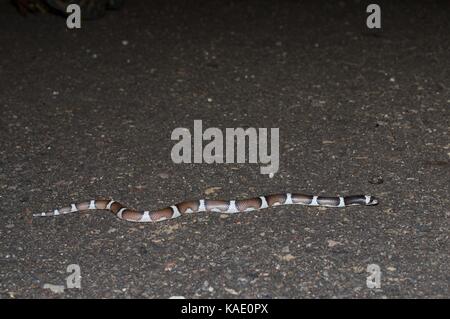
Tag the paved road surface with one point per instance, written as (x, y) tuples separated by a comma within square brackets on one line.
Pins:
[(90, 112)]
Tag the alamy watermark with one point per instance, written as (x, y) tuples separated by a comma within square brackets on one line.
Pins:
[(373, 20), (374, 279), (72, 281), (239, 146), (73, 20)]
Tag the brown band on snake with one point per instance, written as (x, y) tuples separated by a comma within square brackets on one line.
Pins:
[(116, 206), (83, 206), (131, 215), (301, 199), (275, 200), (165, 213), (248, 204), (101, 203), (191, 206)]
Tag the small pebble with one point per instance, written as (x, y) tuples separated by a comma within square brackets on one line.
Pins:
[(376, 180), (231, 291), (163, 175)]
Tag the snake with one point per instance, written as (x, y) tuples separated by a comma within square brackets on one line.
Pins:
[(207, 205)]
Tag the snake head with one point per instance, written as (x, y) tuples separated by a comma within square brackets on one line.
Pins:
[(371, 200)]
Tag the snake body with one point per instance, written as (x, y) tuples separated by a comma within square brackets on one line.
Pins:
[(206, 205)]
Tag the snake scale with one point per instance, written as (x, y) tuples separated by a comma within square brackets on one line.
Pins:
[(206, 205)]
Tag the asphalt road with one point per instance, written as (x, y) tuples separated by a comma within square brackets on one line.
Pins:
[(90, 112)]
